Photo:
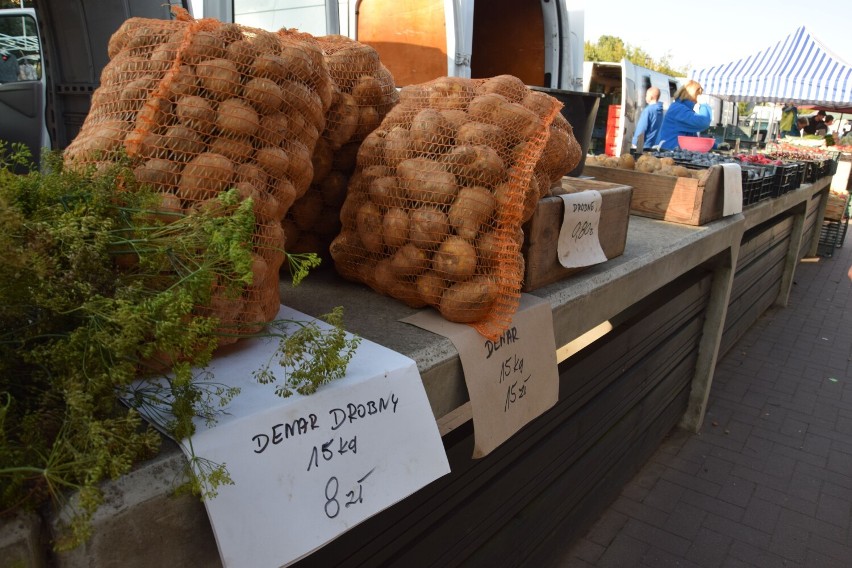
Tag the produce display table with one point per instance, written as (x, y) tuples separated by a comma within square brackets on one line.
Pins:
[(637, 340)]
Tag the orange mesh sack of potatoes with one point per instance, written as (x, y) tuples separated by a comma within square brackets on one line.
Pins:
[(364, 93), (434, 209), (199, 107)]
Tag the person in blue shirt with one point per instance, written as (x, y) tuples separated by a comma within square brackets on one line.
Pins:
[(650, 120), (682, 119)]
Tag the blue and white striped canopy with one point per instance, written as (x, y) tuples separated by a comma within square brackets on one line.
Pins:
[(798, 69)]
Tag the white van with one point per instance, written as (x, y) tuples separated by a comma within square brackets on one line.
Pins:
[(59, 49), (623, 85), (539, 41)]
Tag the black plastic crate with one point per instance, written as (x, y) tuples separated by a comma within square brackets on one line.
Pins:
[(786, 179), (757, 183), (831, 237)]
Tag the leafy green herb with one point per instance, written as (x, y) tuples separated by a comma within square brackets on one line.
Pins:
[(97, 290)]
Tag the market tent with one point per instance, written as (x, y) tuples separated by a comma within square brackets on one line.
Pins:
[(798, 69)]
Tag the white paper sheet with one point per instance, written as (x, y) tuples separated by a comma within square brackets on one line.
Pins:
[(308, 468), (579, 242), (733, 195)]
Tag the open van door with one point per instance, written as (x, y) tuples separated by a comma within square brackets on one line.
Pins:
[(22, 84), (629, 108)]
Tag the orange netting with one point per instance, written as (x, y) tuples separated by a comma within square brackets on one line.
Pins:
[(434, 209), (201, 106), (364, 93)]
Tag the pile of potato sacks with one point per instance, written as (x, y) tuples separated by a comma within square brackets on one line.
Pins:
[(420, 193)]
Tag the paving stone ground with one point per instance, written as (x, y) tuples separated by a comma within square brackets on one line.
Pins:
[(768, 480)]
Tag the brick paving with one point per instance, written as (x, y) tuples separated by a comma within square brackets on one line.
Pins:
[(768, 480)]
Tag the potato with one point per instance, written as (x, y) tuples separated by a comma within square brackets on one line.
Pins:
[(472, 207), (299, 99), (468, 302), (274, 161), (450, 93), (409, 260), (306, 210), (386, 192), (427, 181), (321, 160), (397, 146), (485, 107), (266, 42), (455, 259), (264, 95), (273, 129), (395, 227), (430, 287), (253, 174), (183, 142), (540, 103), (134, 94), (168, 209), (243, 53), (367, 91), (219, 77), (518, 121), (237, 118), (371, 150), (333, 189), (344, 250), (368, 224), (286, 195), (430, 133), (184, 82), (626, 162), (196, 113), (428, 227), (298, 63), (476, 165), (489, 249), (481, 134), (161, 175), (368, 120), (342, 120), (205, 176), (300, 169), (508, 86), (268, 65), (203, 45), (238, 150)]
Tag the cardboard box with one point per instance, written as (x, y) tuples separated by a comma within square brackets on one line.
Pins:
[(541, 232), (688, 201)]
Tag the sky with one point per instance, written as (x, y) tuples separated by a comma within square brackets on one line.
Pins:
[(702, 34)]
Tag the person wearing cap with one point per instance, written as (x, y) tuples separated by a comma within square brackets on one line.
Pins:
[(650, 120), (682, 118)]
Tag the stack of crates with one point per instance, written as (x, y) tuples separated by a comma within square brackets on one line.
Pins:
[(613, 126), (834, 224)]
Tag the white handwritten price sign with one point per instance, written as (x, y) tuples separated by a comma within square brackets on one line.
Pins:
[(511, 380), (308, 468), (579, 239)]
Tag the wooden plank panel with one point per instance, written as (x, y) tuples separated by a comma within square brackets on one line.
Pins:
[(409, 35), (541, 232), (440, 518), (679, 200)]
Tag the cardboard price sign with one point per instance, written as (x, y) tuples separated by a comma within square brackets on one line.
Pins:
[(511, 381), (308, 468), (579, 241)]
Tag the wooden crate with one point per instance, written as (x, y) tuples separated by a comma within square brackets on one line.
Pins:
[(835, 208), (541, 233), (688, 201)]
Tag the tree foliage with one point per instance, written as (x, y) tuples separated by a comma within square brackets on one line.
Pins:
[(613, 49)]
